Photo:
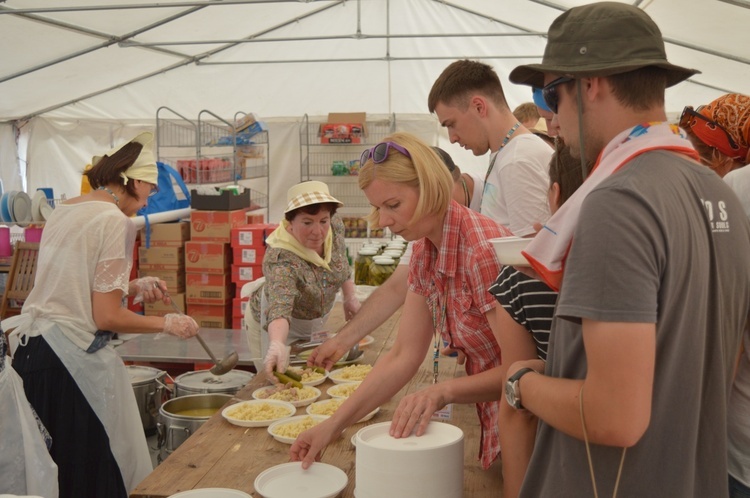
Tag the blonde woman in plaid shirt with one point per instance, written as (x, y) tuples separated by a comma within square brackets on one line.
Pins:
[(452, 267)]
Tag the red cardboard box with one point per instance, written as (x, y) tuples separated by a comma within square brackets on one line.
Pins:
[(207, 257), (238, 323), (239, 306), (215, 225), (255, 218), (251, 235), (245, 256), (343, 128), (205, 288), (211, 316), (244, 274)]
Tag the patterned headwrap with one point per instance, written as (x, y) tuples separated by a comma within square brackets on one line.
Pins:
[(731, 112)]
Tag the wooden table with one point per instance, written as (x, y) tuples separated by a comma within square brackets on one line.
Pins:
[(222, 455)]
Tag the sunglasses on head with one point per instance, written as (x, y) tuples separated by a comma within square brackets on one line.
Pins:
[(688, 113), (379, 153), (549, 92)]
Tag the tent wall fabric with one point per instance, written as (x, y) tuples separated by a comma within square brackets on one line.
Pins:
[(78, 76)]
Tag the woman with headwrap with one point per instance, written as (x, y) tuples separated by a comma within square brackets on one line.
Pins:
[(75, 381), (720, 132)]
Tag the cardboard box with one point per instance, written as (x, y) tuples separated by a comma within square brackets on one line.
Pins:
[(161, 258), (239, 306), (343, 128), (211, 316), (165, 234), (204, 288), (246, 256), (207, 257), (160, 309), (255, 218), (175, 280), (244, 274), (253, 235), (238, 323), (215, 225), (224, 201)]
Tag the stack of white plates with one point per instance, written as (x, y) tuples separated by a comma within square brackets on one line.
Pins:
[(428, 465)]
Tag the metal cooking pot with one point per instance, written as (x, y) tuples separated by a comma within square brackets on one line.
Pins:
[(203, 381), (150, 393), (180, 417)]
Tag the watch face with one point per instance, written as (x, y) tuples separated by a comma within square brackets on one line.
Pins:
[(510, 394)]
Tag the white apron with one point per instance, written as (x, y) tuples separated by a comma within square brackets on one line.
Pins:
[(299, 330), (105, 382)]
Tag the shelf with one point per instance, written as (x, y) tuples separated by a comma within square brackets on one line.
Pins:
[(210, 151)]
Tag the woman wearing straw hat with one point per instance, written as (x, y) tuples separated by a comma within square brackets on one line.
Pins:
[(452, 267), (305, 265), (76, 382)]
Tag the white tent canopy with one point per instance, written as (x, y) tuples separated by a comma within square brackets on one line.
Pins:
[(80, 75)]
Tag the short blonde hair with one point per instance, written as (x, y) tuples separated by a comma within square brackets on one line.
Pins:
[(424, 171)]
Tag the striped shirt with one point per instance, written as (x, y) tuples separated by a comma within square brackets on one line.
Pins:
[(529, 302), (454, 278)]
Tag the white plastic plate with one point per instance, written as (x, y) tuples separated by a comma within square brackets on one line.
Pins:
[(321, 480), (303, 402), (290, 411), (289, 440)]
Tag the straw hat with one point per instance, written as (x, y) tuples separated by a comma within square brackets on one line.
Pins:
[(601, 39), (307, 193)]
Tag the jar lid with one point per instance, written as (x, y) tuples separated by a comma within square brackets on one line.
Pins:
[(204, 379), (366, 251), (384, 260), (392, 253)]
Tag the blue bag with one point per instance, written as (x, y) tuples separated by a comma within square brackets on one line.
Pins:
[(173, 194)]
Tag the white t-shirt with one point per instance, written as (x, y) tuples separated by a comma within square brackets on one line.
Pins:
[(515, 193), (739, 180), (476, 194), (86, 247)]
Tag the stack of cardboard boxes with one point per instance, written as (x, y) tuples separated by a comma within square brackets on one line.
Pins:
[(162, 254), (248, 248)]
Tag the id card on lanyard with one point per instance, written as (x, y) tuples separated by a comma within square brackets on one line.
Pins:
[(439, 322)]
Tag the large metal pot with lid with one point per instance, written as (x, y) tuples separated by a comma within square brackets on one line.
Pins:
[(203, 381), (150, 393), (179, 418)]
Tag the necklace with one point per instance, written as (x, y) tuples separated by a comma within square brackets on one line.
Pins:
[(467, 199), (117, 200), (505, 142)]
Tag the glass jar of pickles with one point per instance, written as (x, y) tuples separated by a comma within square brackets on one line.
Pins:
[(381, 268), (393, 253), (362, 266)]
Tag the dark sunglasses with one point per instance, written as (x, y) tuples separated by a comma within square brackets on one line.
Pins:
[(549, 92), (688, 113), (379, 153)]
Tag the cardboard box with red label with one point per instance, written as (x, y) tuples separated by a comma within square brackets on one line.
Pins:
[(211, 316), (164, 258), (215, 225), (207, 257), (238, 323), (158, 308), (205, 288), (165, 234), (343, 128), (239, 306), (175, 280)]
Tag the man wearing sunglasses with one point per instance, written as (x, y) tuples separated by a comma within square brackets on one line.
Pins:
[(651, 258), (469, 102)]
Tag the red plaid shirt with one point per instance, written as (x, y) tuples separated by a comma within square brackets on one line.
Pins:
[(455, 278)]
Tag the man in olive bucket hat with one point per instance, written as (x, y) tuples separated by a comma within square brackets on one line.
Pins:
[(651, 256)]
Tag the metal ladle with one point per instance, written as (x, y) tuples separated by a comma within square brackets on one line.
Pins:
[(220, 367)]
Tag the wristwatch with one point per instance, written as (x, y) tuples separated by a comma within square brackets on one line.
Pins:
[(512, 389)]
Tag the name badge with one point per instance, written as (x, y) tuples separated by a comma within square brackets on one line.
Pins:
[(445, 413)]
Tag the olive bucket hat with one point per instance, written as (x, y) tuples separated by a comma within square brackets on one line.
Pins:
[(601, 39)]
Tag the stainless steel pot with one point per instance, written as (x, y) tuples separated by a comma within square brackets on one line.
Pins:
[(150, 393), (179, 418), (203, 381)]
